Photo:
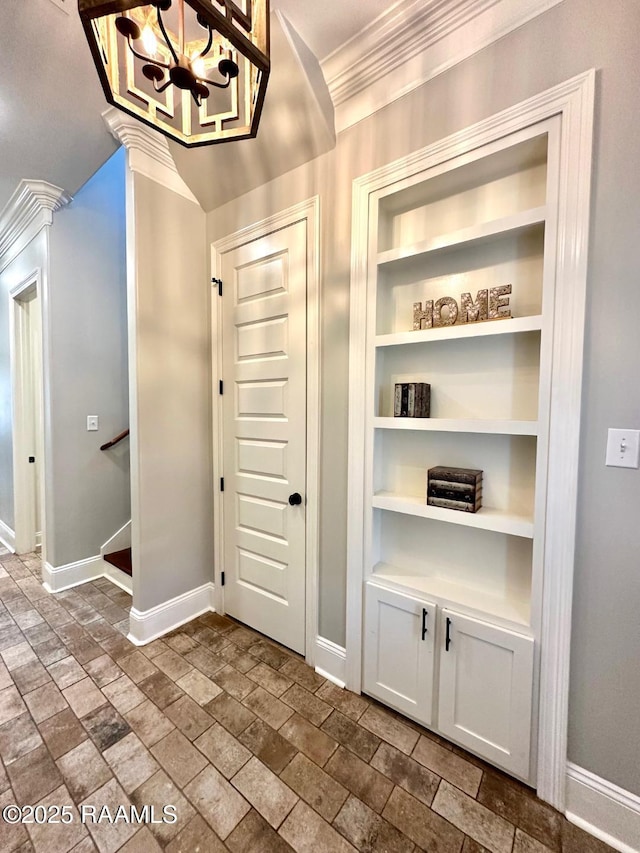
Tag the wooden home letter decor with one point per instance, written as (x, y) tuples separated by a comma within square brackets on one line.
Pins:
[(490, 304)]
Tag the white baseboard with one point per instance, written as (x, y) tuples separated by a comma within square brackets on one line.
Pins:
[(603, 809), (118, 577), (146, 626), (59, 578), (8, 537), (331, 661), (119, 541)]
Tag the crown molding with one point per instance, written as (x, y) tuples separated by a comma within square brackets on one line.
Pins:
[(28, 211), (148, 151), (413, 42)]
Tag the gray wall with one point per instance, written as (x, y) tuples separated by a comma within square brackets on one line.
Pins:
[(89, 497), (172, 537), (569, 39), (33, 257)]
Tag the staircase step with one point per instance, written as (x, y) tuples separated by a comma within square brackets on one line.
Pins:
[(121, 560)]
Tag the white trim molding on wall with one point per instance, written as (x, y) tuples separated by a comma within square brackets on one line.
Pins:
[(7, 537), (603, 809), (146, 626), (28, 211), (308, 211), (331, 661), (573, 102), (413, 42), (147, 151), (59, 578)]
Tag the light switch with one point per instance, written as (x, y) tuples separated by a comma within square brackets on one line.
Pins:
[(92, 423), (623, 448)]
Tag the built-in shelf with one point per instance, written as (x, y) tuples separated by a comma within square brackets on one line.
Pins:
[(484, 232), (510, 605), (509, 326), (486, 518), (477, 425)]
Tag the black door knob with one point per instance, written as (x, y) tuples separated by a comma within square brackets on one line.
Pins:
[(295, 499)]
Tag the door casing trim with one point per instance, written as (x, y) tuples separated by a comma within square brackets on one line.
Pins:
[(24, 491), (309, 212)]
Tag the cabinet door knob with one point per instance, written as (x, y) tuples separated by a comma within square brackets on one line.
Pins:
[(448, 637), (295, 499), (425, 614)]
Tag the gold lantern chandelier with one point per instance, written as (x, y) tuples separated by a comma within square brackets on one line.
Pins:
[(196, 70)]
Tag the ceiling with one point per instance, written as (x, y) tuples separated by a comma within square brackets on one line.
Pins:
[(51, 101)]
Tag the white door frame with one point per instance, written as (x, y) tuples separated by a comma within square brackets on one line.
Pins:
[(24, 488), (308, 211), (573, 101)]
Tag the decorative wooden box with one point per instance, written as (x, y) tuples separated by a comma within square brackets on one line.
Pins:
[(412, 400)]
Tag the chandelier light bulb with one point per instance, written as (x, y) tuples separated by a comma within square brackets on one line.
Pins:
[(197, 66), (149, 40)]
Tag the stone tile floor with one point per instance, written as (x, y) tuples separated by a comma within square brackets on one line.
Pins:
[(254, 750)]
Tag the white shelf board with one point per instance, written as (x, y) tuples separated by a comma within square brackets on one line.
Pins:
[(485, 518), (508, 326), (477, 425), (513, 607), (458, 239)]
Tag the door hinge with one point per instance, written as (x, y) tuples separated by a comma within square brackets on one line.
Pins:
[(221, 578), (221, 387), (222, 484), (218, 281)]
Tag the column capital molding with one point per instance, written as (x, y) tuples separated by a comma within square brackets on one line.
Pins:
[(28, 211), (148, 151)]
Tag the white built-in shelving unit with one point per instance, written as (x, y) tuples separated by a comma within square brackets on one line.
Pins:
[(452, 599)]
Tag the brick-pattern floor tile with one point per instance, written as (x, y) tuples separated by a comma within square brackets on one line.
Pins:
[(256, 751), (179, 758), (223, 750), (268, 745), (84, 770), (314, 786), (463, 774), (362, 780), (189, 717), (358, 740), (267, 794), (45, 702), (253, 834), (429, 831), (62, 732), (196, 837), (390, 729), (33, 776), (217, 801), (268, 708), (474, 819), (368, 831), (406, 772), (307, 832), (17, 738)]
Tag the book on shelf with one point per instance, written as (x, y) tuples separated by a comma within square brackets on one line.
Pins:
[(456, 475), (455, 488), (462, 506), (412, 400), (446, 491)]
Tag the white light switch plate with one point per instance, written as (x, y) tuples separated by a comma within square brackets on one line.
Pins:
[(623, 448), (92, 423)]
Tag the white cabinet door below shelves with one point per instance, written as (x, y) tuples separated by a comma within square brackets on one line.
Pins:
[(485, 694), (399, 649)]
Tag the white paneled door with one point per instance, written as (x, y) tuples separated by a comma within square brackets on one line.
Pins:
[(264, 368)]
